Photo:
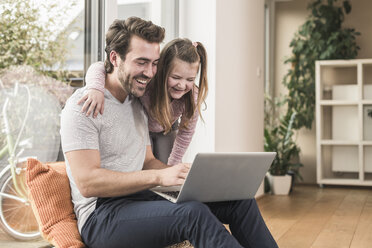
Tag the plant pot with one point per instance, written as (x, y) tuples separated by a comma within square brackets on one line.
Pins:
[(280, 185)]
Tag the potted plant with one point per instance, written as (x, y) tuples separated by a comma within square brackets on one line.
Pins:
[(321, 37), (278, 136)]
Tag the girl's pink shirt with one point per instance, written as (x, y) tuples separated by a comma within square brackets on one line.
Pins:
[(95, 79)]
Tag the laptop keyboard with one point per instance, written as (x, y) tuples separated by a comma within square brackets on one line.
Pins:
[(172, 193)]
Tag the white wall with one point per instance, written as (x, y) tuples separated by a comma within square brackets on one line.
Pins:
[(239, 77), (198, 23), (233, 33)]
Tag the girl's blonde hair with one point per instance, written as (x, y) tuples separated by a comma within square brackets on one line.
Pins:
[(186, 51)]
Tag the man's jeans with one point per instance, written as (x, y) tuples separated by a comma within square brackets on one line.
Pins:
[(145, 219)]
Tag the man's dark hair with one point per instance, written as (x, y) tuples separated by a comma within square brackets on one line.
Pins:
[(121, 31)]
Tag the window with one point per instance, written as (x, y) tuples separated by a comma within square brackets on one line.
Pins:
[(40, 42), (41, 47), (160, 12)]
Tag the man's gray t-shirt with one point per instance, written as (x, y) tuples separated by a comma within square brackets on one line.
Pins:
[(120, 134)]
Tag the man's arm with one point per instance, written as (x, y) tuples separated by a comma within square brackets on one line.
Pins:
[(151, 162), (94, 181)]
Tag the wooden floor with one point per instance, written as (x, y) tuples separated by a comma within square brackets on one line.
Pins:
[(320, 218), (332, 217), (8, 242)]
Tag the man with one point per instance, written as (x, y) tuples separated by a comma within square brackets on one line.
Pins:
[(111, 166)]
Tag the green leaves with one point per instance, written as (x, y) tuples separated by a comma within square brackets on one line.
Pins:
[(369, 113), (321, 37), (347, 7), (279, 138), (24, 41)]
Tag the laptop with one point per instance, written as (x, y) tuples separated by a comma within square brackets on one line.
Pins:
[(221, 177)]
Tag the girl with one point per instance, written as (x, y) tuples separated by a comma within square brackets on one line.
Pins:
[(171, 94)]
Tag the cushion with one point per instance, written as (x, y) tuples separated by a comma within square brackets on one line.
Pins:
[(50, 197)]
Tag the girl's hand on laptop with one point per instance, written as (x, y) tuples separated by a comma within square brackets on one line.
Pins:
[(174, 175), (94, 102)]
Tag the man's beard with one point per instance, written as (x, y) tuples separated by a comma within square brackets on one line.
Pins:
[(127, 84), (127, 81)]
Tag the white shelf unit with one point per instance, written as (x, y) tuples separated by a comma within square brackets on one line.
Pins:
[(344, 122)]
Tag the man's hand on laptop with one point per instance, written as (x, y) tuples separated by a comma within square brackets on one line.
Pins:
[(174, 175)]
